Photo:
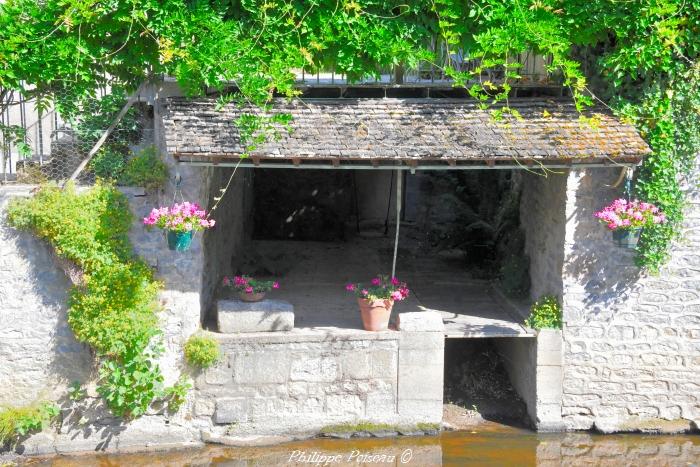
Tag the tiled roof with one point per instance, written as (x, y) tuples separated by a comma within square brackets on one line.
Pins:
[(432, 130)]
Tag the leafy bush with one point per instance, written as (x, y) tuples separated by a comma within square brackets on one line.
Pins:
[(21, 421), (545, 313), (146, 169), (90, 117), (201, 351), (108, 163), (176, 394), (114, 310)]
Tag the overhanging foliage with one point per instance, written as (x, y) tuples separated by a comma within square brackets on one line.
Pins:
[(639, 57)]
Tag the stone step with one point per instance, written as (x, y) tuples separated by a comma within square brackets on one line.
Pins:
[(263, 316)]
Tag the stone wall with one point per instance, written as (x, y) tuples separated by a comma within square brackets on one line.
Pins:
[(39, 356), (534, 367), (542, 216), (301, 381), (225, 243), (632, 341)]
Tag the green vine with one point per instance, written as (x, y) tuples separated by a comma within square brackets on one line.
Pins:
[(639, 58), (113, 307)]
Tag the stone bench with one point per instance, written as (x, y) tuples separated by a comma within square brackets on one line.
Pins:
[(262, 316)]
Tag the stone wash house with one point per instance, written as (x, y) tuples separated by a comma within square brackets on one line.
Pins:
[(316, 207)]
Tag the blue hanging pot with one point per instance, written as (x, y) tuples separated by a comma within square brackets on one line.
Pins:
[(179, 241), (627, 238)]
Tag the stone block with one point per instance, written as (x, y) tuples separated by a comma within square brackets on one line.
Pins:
[(320, 369), (264, 316), (380, 403), (345, 404), (420, 321), (422, 341), (384, 363), (260, 367), (549, 340), (417, 411), (421, 381), (355, 365), (204, 407), (230, 410)]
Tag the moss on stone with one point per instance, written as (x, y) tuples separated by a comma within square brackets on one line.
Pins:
[(358, 427)]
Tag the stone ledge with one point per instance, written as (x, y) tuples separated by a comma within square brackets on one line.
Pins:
[(235, 316), (303, 335), (420, 321)]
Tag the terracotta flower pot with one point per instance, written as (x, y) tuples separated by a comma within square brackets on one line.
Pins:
[(375, 313), (251, 297)]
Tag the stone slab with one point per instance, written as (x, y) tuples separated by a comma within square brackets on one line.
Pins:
[(421, 321), (267, 315)]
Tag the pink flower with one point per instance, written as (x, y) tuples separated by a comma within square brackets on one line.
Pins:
[(404, 292), (376, 281), (204, 223), (275, 285), (249, 289), (212, 222), (396, 295), (350, 287), (365, 292), (227, 281), (395, 281)]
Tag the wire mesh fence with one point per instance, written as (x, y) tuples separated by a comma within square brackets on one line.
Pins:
[(39, 145)]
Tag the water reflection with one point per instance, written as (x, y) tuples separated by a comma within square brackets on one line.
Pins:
[(482, 447)]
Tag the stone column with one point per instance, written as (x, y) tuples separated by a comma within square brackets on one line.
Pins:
[(421, 367), (549, 375)]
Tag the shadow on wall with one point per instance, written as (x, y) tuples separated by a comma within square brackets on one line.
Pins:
[(606, 274), (46, 357)]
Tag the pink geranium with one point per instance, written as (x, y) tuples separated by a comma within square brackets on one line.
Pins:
[(380, 288), (623, 214), (184, 217), (249, 285)]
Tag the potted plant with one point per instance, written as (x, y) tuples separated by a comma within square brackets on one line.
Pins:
[(377, 299), (250, 289), (180, 221), (626, 219)]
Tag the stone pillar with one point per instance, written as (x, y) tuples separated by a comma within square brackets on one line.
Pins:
[(534, 367), (548, 377), (421, 367)]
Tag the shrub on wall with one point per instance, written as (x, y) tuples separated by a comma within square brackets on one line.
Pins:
[(545, 313), (146, 169), (114, 307), (201, 351)]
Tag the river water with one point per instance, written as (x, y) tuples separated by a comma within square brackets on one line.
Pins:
[(494, 445)]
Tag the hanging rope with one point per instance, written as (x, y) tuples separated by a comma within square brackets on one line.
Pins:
[(628, 184), (399, 180), (178, 189)]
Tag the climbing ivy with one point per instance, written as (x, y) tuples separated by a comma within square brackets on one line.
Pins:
[(639, 58)]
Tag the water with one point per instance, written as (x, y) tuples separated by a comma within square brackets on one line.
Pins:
[(485, 446)]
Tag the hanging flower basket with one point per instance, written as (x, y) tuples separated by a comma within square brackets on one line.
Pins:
[(627, 219), (626, 238), (179, 241), (250, 289), (180, 221), (377, 300)]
